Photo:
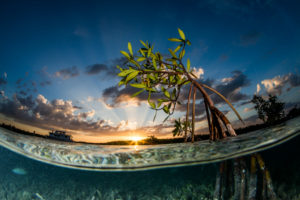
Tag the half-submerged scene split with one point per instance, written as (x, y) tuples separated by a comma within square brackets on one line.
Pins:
[(180, 100)]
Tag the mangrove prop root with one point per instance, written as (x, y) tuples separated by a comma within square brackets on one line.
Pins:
[(243, 173), (214, 110), (208, 117), (252, 179), (193, 116), (244, 178), (187, 113), (267, 182)]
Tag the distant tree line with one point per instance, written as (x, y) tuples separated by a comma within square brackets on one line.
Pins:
[(271, 110), (17, 130)]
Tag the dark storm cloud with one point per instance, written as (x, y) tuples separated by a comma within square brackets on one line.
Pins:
[(250, 38), (109, 69), (96, 69), (67, 73), (231, 86)]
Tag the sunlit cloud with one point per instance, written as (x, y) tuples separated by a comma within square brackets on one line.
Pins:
[(198, 72), (258, 88), (277, 84), (248, 109)]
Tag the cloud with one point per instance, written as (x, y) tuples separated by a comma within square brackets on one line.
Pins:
[(276, 85), (109, 69), (115, 96), (258, 88), (96, 69), (248, 109), (67, 73), (198, 72), (250, 38), (45, 83), (47, 114), (230, 87)]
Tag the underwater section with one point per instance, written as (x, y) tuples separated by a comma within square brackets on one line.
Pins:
[(26, 179)]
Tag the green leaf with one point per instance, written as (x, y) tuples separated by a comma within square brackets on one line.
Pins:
[(150, 89), (130, 48), (149, 52), (166, 109), (182, 53), (135, 63), (172, 53), (152, 104), (175, 40), (186, 82), (121, 83), (181, 34), (143, 43), (137, 93), (188, 42), (125, 72), (125, 54), (159, 103), (188, 64), (151, 77), (142, 52), (149, 96), (131, 75), (177, 48), (140, 59), (174, 93), (154, 63), (167, 94), (138, 85)]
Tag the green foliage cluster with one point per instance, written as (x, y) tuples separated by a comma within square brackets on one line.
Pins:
[(152, 72), (269, 111)]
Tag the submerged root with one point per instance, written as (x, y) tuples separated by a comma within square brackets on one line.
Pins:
[(244, 179)]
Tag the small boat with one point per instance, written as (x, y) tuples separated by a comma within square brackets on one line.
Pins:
[(60, 135)]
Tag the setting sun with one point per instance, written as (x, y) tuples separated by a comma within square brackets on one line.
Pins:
[(136, 138)]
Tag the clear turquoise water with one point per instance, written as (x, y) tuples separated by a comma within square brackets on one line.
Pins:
[(44, 181)]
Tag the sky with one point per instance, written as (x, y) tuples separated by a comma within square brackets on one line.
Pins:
[(58, 61)]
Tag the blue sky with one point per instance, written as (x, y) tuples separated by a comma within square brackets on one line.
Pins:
[(62, 56)]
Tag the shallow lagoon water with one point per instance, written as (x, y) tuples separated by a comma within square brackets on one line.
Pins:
[(44, 181)]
